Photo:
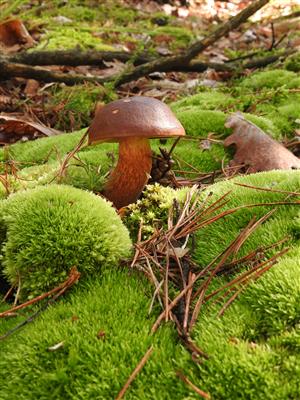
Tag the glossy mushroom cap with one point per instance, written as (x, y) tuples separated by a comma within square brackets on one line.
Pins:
[(134, 116)]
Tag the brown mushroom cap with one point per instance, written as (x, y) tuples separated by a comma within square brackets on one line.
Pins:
[(134, 116)]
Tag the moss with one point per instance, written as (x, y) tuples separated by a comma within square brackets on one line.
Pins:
[(115, 308), (41, 150), (253, 348), (88, 171), (294, 83), (52, 228), (52, 148), (151, 211), (208, 100), (268, 79), (275, 228), (242, 369), (199, 122), (293, 63), (69, 37), (78, 101)]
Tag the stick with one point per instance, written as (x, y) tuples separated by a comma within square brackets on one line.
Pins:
[(135, 372), (194, 387), (72, 278)]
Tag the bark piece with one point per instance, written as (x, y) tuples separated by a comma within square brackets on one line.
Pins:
[(255, 149)]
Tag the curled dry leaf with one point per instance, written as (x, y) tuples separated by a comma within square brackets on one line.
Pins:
[(13, 128), (13, 34), (255, 149)]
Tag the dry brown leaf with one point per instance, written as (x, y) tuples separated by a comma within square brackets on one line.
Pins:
[(14, 128), (13, 34), (255, 149), (31, 88)]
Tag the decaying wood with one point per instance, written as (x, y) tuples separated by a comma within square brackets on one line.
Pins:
[(173, 62), (11, 70), (76, 57), (15, 67)]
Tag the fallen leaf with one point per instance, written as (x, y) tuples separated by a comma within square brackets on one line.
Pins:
[(14, 128), (255, 149), (13, 32), (31, 88)]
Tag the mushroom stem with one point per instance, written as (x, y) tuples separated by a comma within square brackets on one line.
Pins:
[(131, 173)]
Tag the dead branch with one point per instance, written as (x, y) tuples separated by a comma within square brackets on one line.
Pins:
[(169, 63), (15, 65), (75, 57), (264, 61), (12, 70)]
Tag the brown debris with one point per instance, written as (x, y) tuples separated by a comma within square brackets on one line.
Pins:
[(255, 149), (14, 35), (15, 127)]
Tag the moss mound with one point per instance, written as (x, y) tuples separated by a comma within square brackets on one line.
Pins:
[(274, 78), (199, 122), (284, 222), (253, 348), (49, 229), (105, 330), (208, 100)]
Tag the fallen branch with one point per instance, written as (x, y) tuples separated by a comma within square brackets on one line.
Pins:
[(182, 62), (75, 57), (175, 62), (12, 70)]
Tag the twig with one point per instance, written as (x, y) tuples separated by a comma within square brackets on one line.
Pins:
[(273, 37), (134, 373), (194, 387), (268, 189), (72, 278)]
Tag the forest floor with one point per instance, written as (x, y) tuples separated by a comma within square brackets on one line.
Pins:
[(207, 304)]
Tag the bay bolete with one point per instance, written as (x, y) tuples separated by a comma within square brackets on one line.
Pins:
[(132, 122)]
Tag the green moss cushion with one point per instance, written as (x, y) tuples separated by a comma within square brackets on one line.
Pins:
[(104, 325), (254, 346), (47, 230)]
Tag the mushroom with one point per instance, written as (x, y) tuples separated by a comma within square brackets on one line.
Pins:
[(132, 122)]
